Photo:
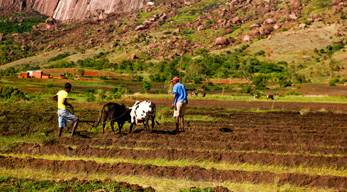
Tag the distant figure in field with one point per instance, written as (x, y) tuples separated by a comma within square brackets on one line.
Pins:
[(179, 102), (194, 93), (256, 95), (270, 97), (63, 114)]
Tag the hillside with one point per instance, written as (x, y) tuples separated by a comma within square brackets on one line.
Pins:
[(305, 40)]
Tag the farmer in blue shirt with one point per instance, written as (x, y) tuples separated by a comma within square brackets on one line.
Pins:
[(179, 102)]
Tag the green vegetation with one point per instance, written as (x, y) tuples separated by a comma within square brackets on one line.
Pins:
[(204, 164), (161, 185), (58, 57), (11, 94), (49, 185), (20, 23)]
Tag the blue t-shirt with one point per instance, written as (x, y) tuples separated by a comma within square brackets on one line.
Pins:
[(180, 91)]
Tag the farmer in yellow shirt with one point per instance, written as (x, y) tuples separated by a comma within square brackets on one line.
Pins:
[(63, 114)]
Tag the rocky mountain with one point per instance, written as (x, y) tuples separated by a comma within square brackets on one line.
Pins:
[(71, 9), (310, 36)]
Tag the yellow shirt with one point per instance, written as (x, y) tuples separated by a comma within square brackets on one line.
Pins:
[(61, 95)]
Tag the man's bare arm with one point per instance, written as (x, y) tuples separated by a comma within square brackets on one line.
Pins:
[(173, 101), (55, 97), (66, 103)]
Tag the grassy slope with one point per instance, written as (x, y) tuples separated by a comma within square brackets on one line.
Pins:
[(294, 46)]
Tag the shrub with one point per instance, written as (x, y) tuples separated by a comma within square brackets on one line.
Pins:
[(25, 25), (14, 94), (58, 57), (197, 80), (90, 91), (260, 53), (245, 89), (307, 22), (146, 86), (293, 93), (300, 78), (204, 87), (334, 80), (139, 78), (103, 77), (157, 78), (332, 84), (102, 94), (260, 81), (80, 72), (284, 82), (343, 80), (117, 92)]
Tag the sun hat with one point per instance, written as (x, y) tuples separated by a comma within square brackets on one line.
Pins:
[(175, 79)]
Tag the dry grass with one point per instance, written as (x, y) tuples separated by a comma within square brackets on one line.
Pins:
[(159, 184), (204, 164), (289, 46)]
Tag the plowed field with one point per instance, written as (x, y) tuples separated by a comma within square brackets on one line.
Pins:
[(224, 145)]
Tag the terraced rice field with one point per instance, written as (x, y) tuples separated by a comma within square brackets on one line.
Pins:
[(284, 149)]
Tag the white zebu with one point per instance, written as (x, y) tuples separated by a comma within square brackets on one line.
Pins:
[(142, 112)]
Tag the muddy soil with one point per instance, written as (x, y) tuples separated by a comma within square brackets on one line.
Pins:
[(121, 185), (174, 154), (312, 138), (194, 173)]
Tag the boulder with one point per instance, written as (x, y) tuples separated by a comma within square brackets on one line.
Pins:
[(146, 23), (139, 28), (50, 21), (302, 25), (91, 41), (277, 26), (153, 46), (201, 27), (221, 41), (293, 16), (254, 26), (228, 30), (246, 38), (265, 30), (125, 29), (133, 56), (176, 30), (294, 2), (269, 21), (117, 23), (103, 16), (236, 20), (163, 17)]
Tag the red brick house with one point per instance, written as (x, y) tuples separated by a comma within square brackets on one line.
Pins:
[(23, 75), (46, 76), (61, 76), (35, 74)]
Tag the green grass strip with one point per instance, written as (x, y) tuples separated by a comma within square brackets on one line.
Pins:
[(287, 98), (159, 184), (204, 164)]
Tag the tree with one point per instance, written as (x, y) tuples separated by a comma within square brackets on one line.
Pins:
[(260, 80), (80, 72), (146, 86)]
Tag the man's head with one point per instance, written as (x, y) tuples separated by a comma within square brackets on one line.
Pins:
[(175, 80), (67, 87)]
